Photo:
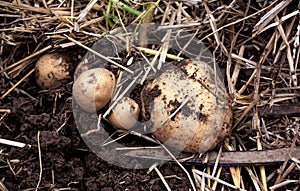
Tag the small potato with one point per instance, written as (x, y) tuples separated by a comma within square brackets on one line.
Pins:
[(52, 71), (125, 114), (93, 89), (81, 67)]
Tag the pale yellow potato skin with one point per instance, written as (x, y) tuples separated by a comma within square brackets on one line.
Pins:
[(125, 114), (203, 126), (52, 71), (93, 89)]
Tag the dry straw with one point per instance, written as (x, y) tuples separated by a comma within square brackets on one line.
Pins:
[(255, 43)]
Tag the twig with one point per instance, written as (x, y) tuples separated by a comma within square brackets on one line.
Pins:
[(122, 94), (262, 168), (24, 7), (281, 170), (83, 13), (214, 187), (213, 26), (284, 18), (270, 16), (27, 58), (98, 54), (216, 179), (3, 187), (166, 43), (40, 161), (237, 21), (255, 180), (162, 178), (180, 165), (18, 83), (154, 52), (289, 53), (13, 143), (279, 185), (5, 111), (99, 126)]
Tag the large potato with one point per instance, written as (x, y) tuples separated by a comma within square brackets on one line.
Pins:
[(202, 121)]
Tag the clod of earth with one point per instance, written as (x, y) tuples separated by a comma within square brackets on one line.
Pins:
[(93, 89), (125, 114), (52, 70), (188, 114)]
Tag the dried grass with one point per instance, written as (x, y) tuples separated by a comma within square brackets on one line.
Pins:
[(255, 42)]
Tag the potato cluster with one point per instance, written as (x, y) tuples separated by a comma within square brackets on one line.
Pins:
[(185, 114)]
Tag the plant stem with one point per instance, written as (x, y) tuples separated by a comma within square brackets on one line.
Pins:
[(126, 7)]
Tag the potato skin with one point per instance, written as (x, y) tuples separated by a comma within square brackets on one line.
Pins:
[(93, 89), (201, 124), (52, 71), (125, 114)]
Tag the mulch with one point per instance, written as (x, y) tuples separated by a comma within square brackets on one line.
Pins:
[(256, 46)]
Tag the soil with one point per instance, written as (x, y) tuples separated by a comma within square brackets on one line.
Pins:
[(65, 162)]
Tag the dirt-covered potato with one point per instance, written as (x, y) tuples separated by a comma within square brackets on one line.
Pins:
[(93, 89), (185, 113), (125, 114), (52, 71)]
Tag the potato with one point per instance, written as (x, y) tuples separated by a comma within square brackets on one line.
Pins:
[(81, 67), (201, 123), (93, 89), (52, 71), (125, 114)]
